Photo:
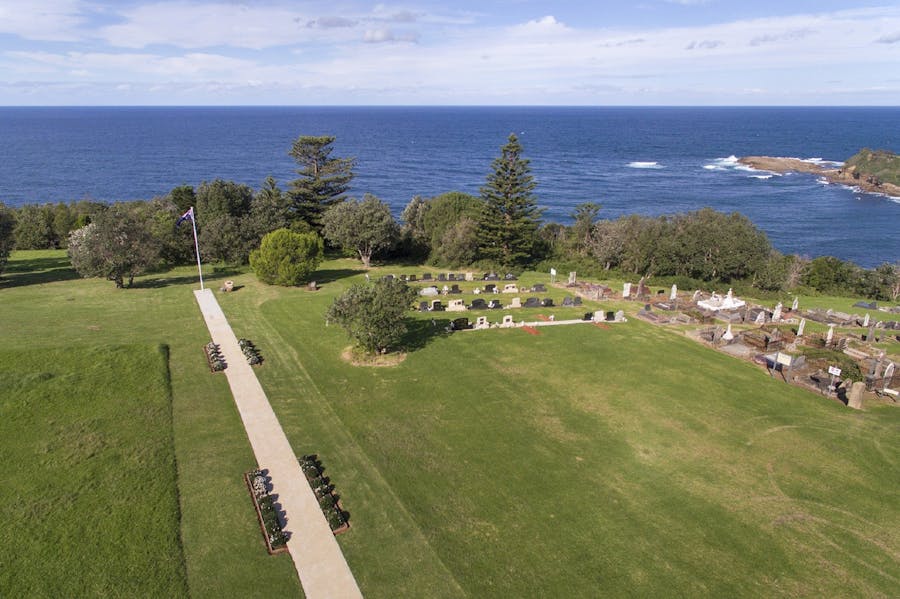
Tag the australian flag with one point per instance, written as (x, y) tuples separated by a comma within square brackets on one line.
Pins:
[(187, 215)]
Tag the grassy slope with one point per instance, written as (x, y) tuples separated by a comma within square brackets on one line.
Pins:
[(86, 510), (628, 460), (881, 163), (45, 306)]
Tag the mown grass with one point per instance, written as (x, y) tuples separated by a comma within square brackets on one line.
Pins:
[(46, 308), (582, 461), (87, 510)]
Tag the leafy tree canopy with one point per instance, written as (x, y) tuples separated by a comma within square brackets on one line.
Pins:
[(364, 227), (510, 216), (322, 180), (374, 315), (286, 258), (7, 234)]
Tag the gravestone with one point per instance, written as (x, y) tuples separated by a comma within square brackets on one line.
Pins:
[(620, 316), (610, 316), (490, 288), (547, 302), (456, 305), (442, 277), (509, 277), (423, 306), (776, 315), (312, 286), (516, 302), (626, 290), (888, 375), (866, 320), (510, 288), (460, 324), (533, 302), (412, 278), (642, 289), (507, 322), (599, 316), (576, 301), (492, 276), (761, 317), (830, 336), (426, 276), (728, 335), (539, 288), (432, 290), (478, 304), (795, 304), (572, 278), (454, 289), (855, 397), (567, 302), (437, 306), (451, 277), (871, 336), (495, 304), (588, 316), (470, 276), (482, 322), (696, 296), (673, 295), (801, 327)]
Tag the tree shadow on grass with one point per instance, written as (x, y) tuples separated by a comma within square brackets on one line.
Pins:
[(322, 277), (422, 332), (19, 273), (159, 281)]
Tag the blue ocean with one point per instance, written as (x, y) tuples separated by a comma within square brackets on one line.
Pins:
[(648, 161)]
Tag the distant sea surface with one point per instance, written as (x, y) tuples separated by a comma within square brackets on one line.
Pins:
[(647, 161)]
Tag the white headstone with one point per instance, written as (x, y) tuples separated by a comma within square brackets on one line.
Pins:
[(795, 304), (481, 322), (626, 290), (729, 296), (855, 397), (761, 317), (830, 336), (507, 321), (674, 293), (888, 374), (866, 320), (470, 276), (572, 278), (776, 315), (620, 316), (728, 336), (801, 327), (696, 296), (599, 316), (516, 302)]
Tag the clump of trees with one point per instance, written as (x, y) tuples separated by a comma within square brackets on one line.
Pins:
[(361, 227), (374, 315), (7, 234), (117, 245), (287, 258)]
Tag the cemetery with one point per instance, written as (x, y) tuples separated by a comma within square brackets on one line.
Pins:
[(475, 445)]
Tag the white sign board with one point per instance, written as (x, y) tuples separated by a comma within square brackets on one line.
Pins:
[(834, 370), (553, 271), (784, 359)]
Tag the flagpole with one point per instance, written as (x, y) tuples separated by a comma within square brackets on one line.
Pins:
[(197, 247)]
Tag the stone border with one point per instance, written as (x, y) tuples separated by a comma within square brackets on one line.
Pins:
[(259, 517)]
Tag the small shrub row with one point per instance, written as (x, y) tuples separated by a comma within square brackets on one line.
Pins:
[(250, 352), (268, 515), (328, 500), (214, 357)]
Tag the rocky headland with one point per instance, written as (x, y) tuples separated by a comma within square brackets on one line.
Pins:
[(871, 171)]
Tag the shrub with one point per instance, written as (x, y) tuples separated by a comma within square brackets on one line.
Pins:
[(287, 258)]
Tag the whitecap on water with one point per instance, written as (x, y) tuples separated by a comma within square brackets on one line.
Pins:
[(639, 164)]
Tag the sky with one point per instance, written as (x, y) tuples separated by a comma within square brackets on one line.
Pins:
[(461, 52)]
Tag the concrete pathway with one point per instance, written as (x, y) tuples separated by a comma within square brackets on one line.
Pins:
[(317, 556)]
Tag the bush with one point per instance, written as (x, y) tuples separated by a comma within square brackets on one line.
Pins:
[(287, 258)]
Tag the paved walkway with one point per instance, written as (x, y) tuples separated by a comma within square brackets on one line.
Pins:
[(317, 556)]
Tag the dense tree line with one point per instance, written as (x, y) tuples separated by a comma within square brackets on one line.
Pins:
[(499, 230)]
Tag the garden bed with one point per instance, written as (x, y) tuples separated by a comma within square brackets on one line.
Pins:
[(274, 536), (329, 500)]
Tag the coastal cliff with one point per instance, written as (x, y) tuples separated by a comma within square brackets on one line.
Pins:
[(875, 171)]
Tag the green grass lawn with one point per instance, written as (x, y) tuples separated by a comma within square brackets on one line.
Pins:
[(46, 310), (86, 510), (583, 461)]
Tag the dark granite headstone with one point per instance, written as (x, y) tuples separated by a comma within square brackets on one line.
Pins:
[(426, 276), (539, 288), (455, 289), (495, 304), (490, 288), (478, 304), (412, 278), (532, 302), (437, 306), (442, 277), (423, 306), (576, 301), (547, 302), (567, 302)]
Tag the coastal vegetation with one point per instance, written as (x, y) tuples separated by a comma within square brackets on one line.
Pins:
[(883, 165), (286, 258), (500, 230)]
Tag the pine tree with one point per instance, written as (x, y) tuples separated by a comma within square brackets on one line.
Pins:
[(510, 216), (323, 179)]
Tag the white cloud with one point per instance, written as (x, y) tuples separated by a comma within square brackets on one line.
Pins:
[(51, 20)]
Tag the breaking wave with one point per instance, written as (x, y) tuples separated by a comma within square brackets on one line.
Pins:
[(645, 165)]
